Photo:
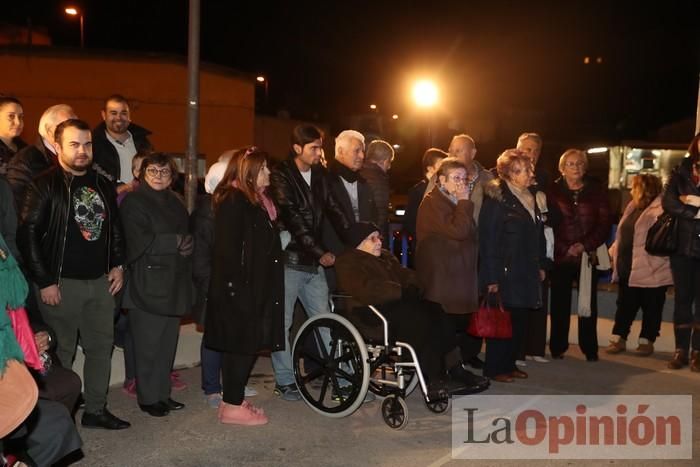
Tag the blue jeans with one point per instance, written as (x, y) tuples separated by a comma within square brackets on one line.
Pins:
[(312, 290), (211, 370)]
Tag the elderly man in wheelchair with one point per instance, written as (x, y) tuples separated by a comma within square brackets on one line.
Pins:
[(382, 337)]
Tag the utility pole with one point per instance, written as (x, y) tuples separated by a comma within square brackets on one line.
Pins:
[(192, 106)]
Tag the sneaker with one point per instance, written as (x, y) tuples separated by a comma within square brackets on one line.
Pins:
[(129, 388), (645, 347), (536, 358), (520, 363), (250, 392), (175, 383), (244, 414), (213, 400), (288, 392)]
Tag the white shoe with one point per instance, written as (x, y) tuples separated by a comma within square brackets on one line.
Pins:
[(520, 363), (250, 392), (537, 358)]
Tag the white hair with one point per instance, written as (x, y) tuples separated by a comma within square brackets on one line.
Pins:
[(214, 176), (345, 136), (50, 118)]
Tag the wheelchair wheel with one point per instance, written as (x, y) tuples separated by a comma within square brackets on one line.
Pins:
[(331, 365), (438, 405), (395, 412)]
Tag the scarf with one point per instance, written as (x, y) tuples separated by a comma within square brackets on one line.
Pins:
[(269, 205), (338, 168), (12, 295), (525, 197)]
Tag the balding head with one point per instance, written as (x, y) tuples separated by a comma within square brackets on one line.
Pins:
[(51, 118), (463, 148)]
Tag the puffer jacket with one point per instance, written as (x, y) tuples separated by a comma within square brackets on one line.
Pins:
[(302, 210), (681, 183), (43, 221), (647, 270), (587, 221)]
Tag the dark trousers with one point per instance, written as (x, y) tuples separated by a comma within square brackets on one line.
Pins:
[(630, 300), (211, 370), (562, 279), (235, 370), (502, 353), (155, 342), (536, 335), (686, 318), (469, 346), (124, 339), (60, 385)]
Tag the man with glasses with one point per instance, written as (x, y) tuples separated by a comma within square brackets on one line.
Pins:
[(116, 140), (71, 239)]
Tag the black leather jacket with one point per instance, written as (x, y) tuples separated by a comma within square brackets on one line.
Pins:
[(681, 183), (106, 157), (41, 236), (303, 209)]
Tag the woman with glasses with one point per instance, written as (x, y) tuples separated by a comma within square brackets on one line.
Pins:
[(159, 279), (580, 217), (682, 200), (512, 258), (447, 250)]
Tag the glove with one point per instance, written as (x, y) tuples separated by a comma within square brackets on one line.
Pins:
[(185, 244)]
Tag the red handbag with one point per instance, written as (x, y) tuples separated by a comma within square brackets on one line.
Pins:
[(490, 321), (25, 337)]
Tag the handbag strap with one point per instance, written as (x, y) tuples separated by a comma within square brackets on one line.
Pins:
[(499, 302)]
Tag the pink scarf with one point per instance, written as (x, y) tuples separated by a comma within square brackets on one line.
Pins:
[(267, 203)]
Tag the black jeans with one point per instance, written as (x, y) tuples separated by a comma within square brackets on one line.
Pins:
[(536, 336), (562, 279), (502, 353), (686, 318), (235, 370), (630, 300)]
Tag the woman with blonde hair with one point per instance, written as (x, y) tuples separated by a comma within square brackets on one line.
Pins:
[(643, 278)]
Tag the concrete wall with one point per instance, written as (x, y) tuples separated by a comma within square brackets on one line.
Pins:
[(156, 85)]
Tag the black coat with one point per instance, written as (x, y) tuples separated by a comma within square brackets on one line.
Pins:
[(365, 204), (681, 183), (159, 279), (43, 219), (415, 196), (302, 211), (245, 308), (27, 164), (6, 153), (378, 182), (511, 247), (105, 155), (202, 228)]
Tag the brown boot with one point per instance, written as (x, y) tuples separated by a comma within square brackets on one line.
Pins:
[(695, 361), (616, 346), (645, 347), (680, 359)]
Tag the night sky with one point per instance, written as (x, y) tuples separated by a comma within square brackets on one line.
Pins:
[(328, 60)]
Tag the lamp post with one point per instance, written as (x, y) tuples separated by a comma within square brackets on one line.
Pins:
[(425, 95), (262, 79), (72, 11)]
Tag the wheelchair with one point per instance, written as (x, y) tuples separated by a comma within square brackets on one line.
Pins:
[(335, 366)]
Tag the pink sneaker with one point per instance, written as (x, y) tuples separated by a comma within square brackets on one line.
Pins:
[(129, 388), (175, 382), (244, 414)]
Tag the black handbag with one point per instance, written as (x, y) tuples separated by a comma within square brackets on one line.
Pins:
[(662, 237)]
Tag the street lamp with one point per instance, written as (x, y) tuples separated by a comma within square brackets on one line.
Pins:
[(261, 79), (72, 11), (373, 106), (425, 95)]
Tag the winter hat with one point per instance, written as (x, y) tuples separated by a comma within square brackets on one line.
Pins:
[(357, 232), (214, 176)]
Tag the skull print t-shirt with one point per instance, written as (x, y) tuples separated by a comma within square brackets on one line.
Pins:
[(85, 254)]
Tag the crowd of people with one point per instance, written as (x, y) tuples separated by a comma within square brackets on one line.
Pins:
[(100, 250)]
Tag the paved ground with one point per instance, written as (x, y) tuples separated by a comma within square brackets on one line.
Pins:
[(297, 436)]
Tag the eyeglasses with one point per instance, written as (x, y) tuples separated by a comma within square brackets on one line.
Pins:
[(458, 179), (571, 165), (153, 172)]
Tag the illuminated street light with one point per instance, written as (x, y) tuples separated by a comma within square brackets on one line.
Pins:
[(373, 106), (260, 79), (425, 93), (264, 81), (395, 117), (72, 11), (597, 150)]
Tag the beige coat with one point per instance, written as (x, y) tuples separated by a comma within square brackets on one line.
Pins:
[(647, 270), (447, 252)]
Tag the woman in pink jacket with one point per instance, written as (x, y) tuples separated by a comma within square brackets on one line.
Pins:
[(643, 278)]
